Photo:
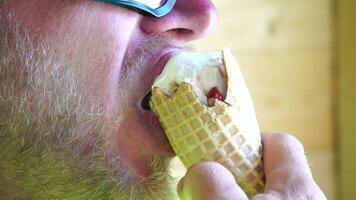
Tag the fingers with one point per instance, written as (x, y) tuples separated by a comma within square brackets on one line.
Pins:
[(209, 181), (288, 175), (283, 151)]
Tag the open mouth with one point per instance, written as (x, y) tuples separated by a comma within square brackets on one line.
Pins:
[(145, 102)]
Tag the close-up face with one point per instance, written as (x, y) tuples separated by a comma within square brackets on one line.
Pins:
[(73, 74)]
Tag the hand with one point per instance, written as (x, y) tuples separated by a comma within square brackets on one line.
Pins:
[(286, 168)]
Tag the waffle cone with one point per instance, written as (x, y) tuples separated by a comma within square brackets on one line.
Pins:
[(226, 132)]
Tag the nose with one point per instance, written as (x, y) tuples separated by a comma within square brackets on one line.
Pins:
[(189, 20)]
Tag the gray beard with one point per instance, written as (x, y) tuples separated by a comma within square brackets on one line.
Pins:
[(55, 143)]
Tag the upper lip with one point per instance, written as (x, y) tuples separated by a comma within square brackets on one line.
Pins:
[(159, 65), (155, 67)]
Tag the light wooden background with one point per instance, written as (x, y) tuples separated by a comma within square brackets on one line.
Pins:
[(287, 54), (346, 36)]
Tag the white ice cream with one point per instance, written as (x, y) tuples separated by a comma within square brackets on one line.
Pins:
[(202, 70)]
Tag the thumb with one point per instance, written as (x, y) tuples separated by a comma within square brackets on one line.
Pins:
[(209, 181)]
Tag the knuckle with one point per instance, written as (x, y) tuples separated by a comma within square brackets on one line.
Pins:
[(290, 141), (204, 167), (206, 170)]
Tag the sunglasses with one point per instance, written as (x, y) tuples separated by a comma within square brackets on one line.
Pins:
[(156, 8)]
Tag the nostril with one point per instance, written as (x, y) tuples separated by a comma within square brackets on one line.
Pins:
[(145, 102), (183, 31), (189, 20)]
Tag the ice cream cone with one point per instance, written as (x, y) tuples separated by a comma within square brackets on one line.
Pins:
[(226, 132)]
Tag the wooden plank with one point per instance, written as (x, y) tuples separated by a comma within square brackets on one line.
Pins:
[(257, 25), (322, 166), (292, 92), (347, 94)]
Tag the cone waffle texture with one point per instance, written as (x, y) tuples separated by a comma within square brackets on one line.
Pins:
[(226, 132)]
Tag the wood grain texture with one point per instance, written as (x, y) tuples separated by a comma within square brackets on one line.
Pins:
[(323, 172), (292, 93), (286, 51), (272, 25), (347, 93)]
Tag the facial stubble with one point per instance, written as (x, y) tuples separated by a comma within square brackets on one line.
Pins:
[(55, 138)]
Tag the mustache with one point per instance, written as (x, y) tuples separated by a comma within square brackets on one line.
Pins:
[(137, 56)]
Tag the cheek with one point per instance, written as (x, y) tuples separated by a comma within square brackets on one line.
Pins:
[(95, 42), (90, 36), (105, 59)]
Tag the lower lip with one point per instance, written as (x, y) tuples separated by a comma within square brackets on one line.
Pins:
[(153, 120), (154, 124)]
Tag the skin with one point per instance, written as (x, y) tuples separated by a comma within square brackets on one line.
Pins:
[(184, 24), (73, 74), (105, 57), (286, 168)]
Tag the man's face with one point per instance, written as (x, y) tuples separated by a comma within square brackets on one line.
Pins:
[(82, 68)]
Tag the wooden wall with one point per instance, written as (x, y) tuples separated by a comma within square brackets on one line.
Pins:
[(347, 96), (286, 52)]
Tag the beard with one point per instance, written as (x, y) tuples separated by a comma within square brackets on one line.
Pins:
[(55, 135)]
